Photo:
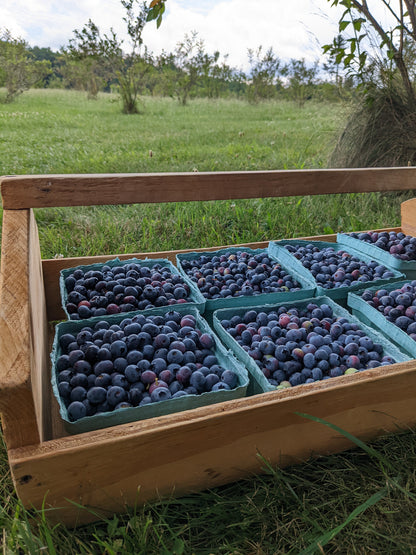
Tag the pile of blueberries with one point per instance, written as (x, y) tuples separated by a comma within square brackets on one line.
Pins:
[(139, 361), (337, 268), (398, 306), (123, 288), (294, 346), (398, 244), (238, 274)]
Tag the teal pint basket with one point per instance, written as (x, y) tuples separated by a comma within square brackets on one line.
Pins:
[(258, 382), (195, 298), (372, 317), (306, 290), (339, 294), (406, 267), (170, 406)]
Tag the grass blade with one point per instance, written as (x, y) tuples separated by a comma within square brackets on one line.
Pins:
[(328, 536)]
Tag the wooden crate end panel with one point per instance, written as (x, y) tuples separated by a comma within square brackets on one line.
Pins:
[(16, 399), (408, 215), (40, 363)]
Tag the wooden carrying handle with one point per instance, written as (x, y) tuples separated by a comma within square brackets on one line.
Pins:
[(37, 191)]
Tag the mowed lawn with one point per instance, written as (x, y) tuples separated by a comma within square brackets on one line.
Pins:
[(362, 501)]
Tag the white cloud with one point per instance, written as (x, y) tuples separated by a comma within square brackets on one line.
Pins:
[(294, 28)]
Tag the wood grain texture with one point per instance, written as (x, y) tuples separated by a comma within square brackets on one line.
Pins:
[(408, 214), (40, 376), (210, 446), (33, 191), (17, 406)]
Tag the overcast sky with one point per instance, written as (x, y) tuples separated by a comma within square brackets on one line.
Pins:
[(294, 28)]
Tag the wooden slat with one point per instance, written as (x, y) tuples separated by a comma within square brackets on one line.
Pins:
[(408, 212), (207, 447), (27, 191), (17, 406)]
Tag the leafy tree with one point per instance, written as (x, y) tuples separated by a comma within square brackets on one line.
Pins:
[(190, 61), (87, 56), (301, 80), (103, 58), (379, 54), (18, 69), (392, 40), (217, 75), (132, 67), (263, 74), (333, 68)]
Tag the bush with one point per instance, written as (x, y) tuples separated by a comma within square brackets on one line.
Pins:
[(381, 131)]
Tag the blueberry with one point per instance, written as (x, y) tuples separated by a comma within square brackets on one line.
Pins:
[(116, 395), (78, 393), (132, 373), (79, 380), (119, 380), (103, 367), (160, 394), (220, 386), (64, 389), (76, 410), (230, 378), (180, 393), (118, 349), (97, 395)]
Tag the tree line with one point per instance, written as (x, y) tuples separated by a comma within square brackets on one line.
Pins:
[(93, 61)]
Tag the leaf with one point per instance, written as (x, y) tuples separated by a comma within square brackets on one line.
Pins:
[(339, 56), (343, 25), (348, 59), (358, 23)]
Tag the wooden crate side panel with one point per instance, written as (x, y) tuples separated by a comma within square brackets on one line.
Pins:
[(206, 452), (40, 377), (32, 191), (408, 213), (16, 400)]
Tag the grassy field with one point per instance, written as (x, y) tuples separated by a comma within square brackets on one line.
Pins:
[(362, 501)]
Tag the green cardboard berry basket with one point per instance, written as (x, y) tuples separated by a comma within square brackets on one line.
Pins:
[(130, 414), (277, 248), (196, 299), (307, 286), (258, 382), (406, 267), (372, 317)]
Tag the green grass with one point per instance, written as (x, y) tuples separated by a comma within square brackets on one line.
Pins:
[(361, 501)]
